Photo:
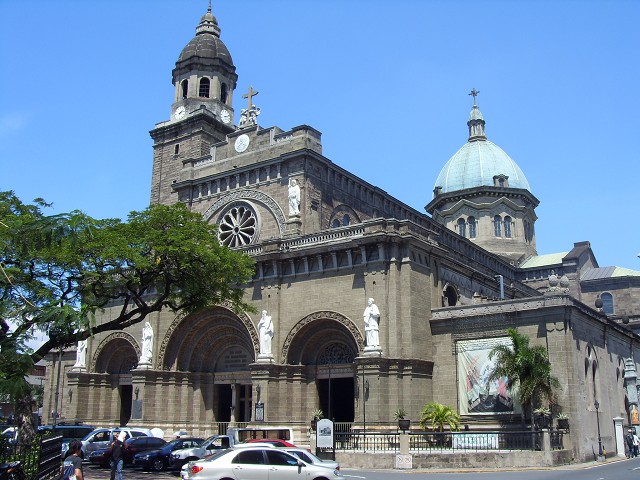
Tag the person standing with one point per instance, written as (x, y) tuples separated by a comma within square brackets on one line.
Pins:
[(629, 439), (636, 444), (117, 453), (72, 465)]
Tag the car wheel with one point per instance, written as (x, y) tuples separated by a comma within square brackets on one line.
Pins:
[(157, 465)]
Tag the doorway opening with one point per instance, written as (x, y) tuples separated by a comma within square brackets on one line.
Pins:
[(336, 397), (126, 400)]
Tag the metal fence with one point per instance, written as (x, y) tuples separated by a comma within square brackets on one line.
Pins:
[(40, 460), (429, 442)]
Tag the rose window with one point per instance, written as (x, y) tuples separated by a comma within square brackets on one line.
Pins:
[(238, 227)]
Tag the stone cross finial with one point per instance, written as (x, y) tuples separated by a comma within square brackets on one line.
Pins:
[(249, 96), (474, 93)]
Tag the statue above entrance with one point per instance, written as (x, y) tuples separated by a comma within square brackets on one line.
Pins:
[(265, 330), (81, 357), (371, 317), (146, 356)]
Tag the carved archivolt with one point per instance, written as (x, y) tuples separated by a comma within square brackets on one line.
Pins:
[(248, 195), (322, 315), (115, 335), (243, 318)]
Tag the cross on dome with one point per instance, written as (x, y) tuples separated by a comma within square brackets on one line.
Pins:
[(474, 93)]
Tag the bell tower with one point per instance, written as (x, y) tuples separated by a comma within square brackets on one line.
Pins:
[(204, 79)]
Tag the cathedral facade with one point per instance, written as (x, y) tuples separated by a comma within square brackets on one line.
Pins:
[(366, 304)]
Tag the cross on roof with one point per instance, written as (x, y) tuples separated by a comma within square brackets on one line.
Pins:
[(474, 93), (249, 96)]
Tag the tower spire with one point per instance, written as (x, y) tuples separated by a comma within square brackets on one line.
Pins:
[(476, 121)]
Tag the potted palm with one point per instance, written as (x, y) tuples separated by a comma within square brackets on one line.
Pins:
[(563, 421), (316, 415), (542, 417), (438, 415), (403, 423)]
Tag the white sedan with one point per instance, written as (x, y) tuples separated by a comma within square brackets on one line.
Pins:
[(257, 463)]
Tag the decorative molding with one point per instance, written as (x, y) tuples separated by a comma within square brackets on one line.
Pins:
[(256, 195), (169, 334), (115, 335), (321, 315)]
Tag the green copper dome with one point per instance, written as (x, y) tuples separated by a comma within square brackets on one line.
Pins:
[(478, 162)]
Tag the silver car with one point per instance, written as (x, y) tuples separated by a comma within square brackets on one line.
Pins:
[(308, 457), (256, 463)]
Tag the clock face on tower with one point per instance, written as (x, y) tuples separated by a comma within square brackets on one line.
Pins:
[(242, 142), (225, 116), (179, 112)]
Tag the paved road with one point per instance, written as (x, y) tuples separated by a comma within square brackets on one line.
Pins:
[(95, 473)]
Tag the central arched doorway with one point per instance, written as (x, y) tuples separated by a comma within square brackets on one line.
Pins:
[(213, 350)]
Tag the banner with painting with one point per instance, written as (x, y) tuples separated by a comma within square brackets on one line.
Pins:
[(477, 395)]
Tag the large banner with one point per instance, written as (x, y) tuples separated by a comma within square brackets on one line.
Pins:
[(476, 394)]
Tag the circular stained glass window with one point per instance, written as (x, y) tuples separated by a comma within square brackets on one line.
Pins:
[(238, 226)]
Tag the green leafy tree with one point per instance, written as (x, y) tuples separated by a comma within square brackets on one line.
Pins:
[(526, 368), (58, 271), (438, 416)]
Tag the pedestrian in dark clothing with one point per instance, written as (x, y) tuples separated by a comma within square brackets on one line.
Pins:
[(117, 453), (629, 440)]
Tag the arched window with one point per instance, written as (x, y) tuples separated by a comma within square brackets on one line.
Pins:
[(507, 227), (335, 223), (203, 91), (472, 227), (497, 221), (346, 220), (185, 88), (449, 296), (461, 227), (223, 93), (607, 303)]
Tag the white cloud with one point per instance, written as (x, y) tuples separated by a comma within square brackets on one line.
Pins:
[(13, 122)]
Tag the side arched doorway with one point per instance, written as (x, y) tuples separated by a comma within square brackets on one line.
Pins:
[(329, 343), (117, 356)]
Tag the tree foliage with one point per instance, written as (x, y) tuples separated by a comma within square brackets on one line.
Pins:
[(527, 368), (57, 271), (438, 416)]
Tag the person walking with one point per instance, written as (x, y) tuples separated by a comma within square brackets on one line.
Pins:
[(72, 466), (117, 454), (636, 444), (629, 439)]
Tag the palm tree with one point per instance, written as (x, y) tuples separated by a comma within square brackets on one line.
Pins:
[(527, 368), (439, 415)]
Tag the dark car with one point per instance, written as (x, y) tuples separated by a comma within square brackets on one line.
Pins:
[(69, 432), (132, 446), (159, 459)]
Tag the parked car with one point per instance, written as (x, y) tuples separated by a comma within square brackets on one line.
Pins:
[(260, 463), (102, 437), (158, 460), (309, 457), (132, 447), (210, 445), (273, 441), (69, 432)]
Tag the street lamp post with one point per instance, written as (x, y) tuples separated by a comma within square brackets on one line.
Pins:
[(597, 405)]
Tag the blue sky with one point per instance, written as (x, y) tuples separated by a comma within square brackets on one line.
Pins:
[(386, 82)]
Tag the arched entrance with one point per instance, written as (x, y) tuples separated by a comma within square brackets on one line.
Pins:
[(117, 356), (213, 350), (329, 342)]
